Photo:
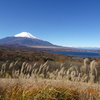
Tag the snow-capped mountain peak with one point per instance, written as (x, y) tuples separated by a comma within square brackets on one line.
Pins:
[(25, 34)]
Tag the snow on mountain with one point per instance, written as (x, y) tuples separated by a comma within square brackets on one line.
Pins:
[(25, 34)]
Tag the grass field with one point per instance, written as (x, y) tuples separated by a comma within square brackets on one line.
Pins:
[(27, 74), (44, 89)]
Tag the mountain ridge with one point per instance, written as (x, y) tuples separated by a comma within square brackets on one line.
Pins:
[(28, 40), (25, 39)]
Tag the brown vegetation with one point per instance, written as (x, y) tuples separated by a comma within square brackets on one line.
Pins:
[(88, 71), (30, 89), (36, 75)]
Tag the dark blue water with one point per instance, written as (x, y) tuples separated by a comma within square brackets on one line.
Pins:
[(78, 53)]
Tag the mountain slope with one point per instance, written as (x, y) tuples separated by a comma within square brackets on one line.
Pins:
[(25, 39)]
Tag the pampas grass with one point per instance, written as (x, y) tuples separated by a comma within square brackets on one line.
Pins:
[(44, 89)]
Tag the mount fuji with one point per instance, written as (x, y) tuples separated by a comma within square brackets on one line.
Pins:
[(24, 39)]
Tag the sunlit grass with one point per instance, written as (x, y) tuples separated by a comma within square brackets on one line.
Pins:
[(30, 89)]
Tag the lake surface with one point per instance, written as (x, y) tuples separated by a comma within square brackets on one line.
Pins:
[(78, 53)]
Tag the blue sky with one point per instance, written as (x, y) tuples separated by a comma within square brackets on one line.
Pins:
[(61, 22)]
